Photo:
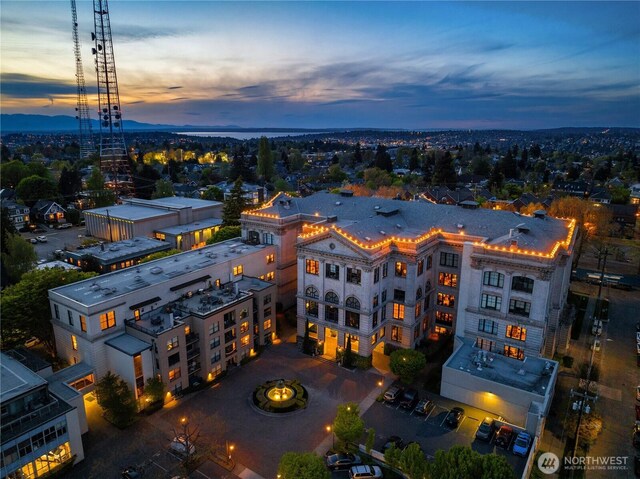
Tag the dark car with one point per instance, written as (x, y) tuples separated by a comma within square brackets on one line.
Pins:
[(423, 407), (455, 416), (503, 436), (486, 429), (409, 399), (130, 472), (342, 461), (393, 441)]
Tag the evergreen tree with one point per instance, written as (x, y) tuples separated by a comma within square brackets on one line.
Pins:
[(524, 159), (70, 183), (383, 159), (285, 159), (414, 160), (444, 172), (509, 166), (496, 179), (239, 166), (234, 206), (7, 228), (356, 159), (265, 159), (164, 189)]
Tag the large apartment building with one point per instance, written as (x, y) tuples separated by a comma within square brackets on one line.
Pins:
[(186, 317), (376, 271)]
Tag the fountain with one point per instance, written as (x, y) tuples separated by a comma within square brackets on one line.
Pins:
[(280, 396)]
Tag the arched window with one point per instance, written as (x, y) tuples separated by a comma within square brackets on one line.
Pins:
[(419, 293), (331, 297), (352, 302), (311, 292)]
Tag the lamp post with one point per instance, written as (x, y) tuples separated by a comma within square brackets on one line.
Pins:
[(333, 437), (230, 448)]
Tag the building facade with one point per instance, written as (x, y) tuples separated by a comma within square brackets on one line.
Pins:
[(41, 432)]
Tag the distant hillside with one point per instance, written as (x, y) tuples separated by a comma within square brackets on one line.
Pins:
[(19, 123)]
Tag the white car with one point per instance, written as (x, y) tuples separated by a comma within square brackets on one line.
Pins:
[(596, 329), (595, 345), (179, 445), (42, 239), (31, 342)]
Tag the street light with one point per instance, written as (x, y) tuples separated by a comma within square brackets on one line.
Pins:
[(333, 436), (230, 448)]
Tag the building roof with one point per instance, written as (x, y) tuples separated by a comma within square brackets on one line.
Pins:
[(95, 290), (364, 219), (129, 212), (177, 202), (128, 344), (190, 227), (16, 379), (532, 375), (59, 381), (121, 250)]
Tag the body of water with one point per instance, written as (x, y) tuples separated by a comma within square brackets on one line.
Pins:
[(247, 135)]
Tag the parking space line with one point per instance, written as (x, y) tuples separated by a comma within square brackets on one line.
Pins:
[(445, 418), (202, 473), (155, 463), (460, 424)]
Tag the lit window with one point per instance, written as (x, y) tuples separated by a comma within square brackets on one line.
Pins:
[(174, 374), (136, 315), (396, 333), (311, 308), (516, 332), (107, 320), (270, 276), (444, 318), (374, 338), (420, 267), (513, 352), (244, 341), (448, 300), (520, 283), (448, 279), (271, 258), (493, 278), (489, 301), (74, 343), (83, 323), (267, 324), (312, 266), (244, 327), (352, 319), (418, 309), (332, 271), (237, 270), (172, 343), (398, 311), (401, 269)]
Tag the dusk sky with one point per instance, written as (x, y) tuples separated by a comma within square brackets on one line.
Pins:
[(417, 65)]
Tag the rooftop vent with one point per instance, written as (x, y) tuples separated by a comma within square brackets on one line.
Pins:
[(367, 238), (376, 207), (338, 203), (522, 228), (540, 214), (346, 193), (95, 286), (398, 225), (156, 270), (387, 211), (382, 232), (332, 218), (460, 226)]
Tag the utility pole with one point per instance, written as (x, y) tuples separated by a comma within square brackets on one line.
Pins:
[(585, 396)]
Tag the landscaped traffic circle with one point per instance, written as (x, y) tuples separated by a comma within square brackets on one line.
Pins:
[(281, 396)]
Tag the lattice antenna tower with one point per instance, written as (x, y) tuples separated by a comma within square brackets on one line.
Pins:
[(114, 163), (87, 147)]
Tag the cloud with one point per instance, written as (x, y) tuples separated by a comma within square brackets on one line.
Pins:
[(134, 33), (174, 87), (19, 85)]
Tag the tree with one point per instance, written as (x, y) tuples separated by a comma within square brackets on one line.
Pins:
[(414, 160), (213, 193), (371, 439), (413, 462), (34, 188), (480, 166), (496, 467), (25, 306), (348, 426), (444, 171), (375, 178), (306, 341), (383, 158), (225, 233), (117, 400), (96, 180), (296, 161), (7, 228), (12, 173), (155, 389), (239, 166), (72, 216), (144, 180), (302, 465), (234, 205), (496, 179), (347, 361), (164, 189), (70, 183), (357, 156), (407, 363), (462, 462), (335, 174), (265, 159), (160, 254), (19, 258)]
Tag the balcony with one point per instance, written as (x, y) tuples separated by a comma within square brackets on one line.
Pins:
[(40, 415), (193, 352), (192, 338)]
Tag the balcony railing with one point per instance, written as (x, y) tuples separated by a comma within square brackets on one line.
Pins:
[(31, 419), (192, 338)]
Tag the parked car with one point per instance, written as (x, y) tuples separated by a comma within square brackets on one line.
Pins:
[(393, 441), (393, 394), (521, 444), (595, 345), (454, 417), (33, 240), (486, 429), (503, 436), (409, 398), (31, 342), (423, 407), (41, 239), (179, 445), (130, 472), (64, 226), (365, 472), (596, 328), (342, 461)]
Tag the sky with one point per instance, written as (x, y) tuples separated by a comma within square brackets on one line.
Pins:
[(409, 65)]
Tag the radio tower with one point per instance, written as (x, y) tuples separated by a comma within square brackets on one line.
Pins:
[(114, 163), (84, 123)]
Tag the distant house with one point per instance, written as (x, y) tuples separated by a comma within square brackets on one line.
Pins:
[(625, 217), (446, 196), (19, 214), (635, 194), (45, 211), (600, 195), (254, 194), (573, 188)]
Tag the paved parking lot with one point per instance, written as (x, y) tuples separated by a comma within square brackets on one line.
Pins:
[(56, 239), (431, 431)]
